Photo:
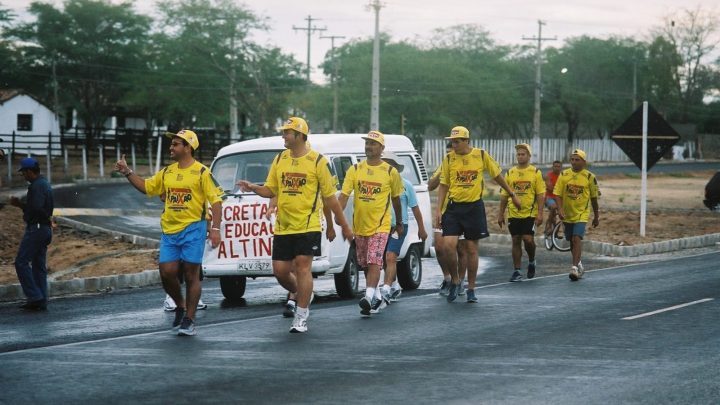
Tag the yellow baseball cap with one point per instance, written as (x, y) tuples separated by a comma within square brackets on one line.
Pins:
[(376, 136), (524, 146), (296, 123), (189, 136), (459, 133), (581, 153)]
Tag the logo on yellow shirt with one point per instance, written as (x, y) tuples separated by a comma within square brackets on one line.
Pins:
[(178, 197), (368, 189), (293, 182), (574, 191), (522, 186), (465, 178)]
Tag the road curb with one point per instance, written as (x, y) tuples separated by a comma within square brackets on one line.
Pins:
[(13, 292), (608, 249)]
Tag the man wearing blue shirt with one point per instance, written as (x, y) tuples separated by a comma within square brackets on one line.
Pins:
[(31, 260), (391, 289)]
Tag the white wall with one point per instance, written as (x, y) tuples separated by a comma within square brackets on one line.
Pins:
[(33, 142)]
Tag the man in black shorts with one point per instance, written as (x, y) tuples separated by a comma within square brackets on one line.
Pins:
[(526, 181), (299, 176)]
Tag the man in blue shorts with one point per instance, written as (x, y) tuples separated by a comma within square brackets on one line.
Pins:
[(408, 199), (189, 188)]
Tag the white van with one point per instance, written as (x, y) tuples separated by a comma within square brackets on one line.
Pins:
[(246, 235)]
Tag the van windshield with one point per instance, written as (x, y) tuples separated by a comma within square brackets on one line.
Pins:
[(251, 166)]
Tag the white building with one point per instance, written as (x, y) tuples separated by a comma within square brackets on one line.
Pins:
[(31, 124)]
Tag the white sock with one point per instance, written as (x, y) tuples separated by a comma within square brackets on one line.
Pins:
[(531, 262), (369, 293), (303, 312), (448, 278), (377, 294), (396, 285)]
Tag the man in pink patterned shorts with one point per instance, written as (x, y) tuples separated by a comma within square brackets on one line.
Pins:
[(375, 184)]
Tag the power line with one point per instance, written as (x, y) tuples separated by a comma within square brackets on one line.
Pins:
[(310, 29)]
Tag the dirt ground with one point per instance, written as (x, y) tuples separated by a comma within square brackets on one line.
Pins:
[(675, 210)]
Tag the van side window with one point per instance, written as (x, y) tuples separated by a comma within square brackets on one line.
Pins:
[(409, 171), (341, 164)]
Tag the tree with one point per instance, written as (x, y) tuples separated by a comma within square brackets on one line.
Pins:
[(694, 35), (214, 37), (90, 43)]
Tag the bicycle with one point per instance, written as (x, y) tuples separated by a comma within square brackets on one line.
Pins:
[(555, 236)]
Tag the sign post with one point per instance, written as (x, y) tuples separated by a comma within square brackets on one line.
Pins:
[(645, 137)]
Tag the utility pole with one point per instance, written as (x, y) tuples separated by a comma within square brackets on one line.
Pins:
[(634, 100), (375, 93), (538, 87), (310, 29), (333, 78)]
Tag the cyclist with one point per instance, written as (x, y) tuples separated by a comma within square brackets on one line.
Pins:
[(550, 198)]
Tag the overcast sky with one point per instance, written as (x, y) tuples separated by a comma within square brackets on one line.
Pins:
[(507, 20)]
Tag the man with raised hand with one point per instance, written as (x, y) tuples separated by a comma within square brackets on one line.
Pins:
[(462, 185), (527, 182), (576, 190), (376, 186), (299, 177), (189, 188)]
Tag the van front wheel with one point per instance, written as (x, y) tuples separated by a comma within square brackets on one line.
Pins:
[(233, 287), (346, 282), (409, 271)]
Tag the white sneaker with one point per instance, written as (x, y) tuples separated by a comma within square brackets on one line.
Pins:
[(299, 325), (461, 291), (581, 269), (169, 304), (395, 293), (574, 273)]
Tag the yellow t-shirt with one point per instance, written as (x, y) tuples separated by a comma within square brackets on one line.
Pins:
[(576, 190), (527, 184), (373, 186), (463, 174), (188, 192), (300, 184)]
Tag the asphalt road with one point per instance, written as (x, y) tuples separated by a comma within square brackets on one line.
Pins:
[(600, 340)]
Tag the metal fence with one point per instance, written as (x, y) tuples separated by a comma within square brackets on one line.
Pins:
[(73, 155), (503, 150)]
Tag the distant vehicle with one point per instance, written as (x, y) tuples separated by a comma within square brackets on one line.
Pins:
[(712, 193), (246, 235)]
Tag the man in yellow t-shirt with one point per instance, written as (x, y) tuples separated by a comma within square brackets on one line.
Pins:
[(576, 190), (461, 185), (376, 186), (527, 182), (299, 177), (188, 187)]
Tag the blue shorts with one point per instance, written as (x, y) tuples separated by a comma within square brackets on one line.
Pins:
[(394, 245), (574, 229), (187, 245), (550, 202)]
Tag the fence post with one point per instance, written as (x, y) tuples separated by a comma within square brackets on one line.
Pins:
[(65, 161), (150, 165), (159, 157), (84, 161), (132, 153), (117, 151), (102, 161)]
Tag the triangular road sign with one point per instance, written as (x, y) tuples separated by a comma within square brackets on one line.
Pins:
[(661, 137)]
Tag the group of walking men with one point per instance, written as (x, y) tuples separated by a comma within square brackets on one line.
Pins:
[(381, 200)]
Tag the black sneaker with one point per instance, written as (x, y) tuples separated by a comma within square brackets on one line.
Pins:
[(179, 315), (516, 276), (531, 270), (39, 305), (290, 307), (453, 293), (187, 327), (365, 306)]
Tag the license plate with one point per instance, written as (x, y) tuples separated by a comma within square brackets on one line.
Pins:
[(255, 265)]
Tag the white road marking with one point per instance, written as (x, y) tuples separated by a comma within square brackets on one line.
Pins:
[(674, 307)]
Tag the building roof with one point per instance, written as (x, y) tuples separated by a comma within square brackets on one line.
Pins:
[(7, 94)]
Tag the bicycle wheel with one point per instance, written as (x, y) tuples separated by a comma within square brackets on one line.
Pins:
[(547, 238), (558, 238)]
